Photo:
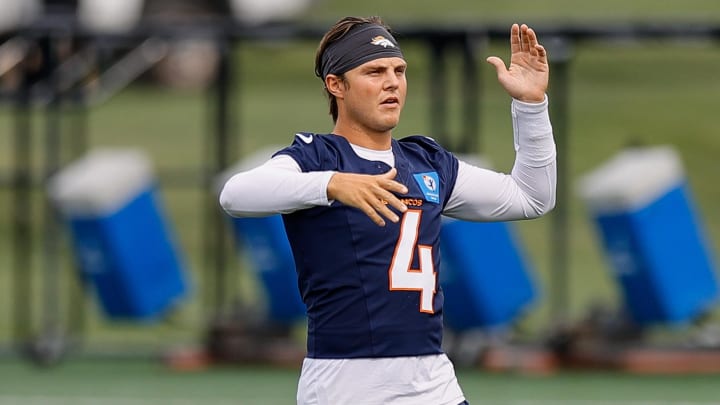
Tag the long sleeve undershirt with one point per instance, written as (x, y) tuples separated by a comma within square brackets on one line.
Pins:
[(279, 185)]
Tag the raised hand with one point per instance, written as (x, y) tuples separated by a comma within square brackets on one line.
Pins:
[(527, 77), (371, 194)]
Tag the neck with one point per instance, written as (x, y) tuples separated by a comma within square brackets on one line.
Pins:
[(364, 137)]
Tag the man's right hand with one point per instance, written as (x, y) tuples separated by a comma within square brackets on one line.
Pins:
[(370, 193)]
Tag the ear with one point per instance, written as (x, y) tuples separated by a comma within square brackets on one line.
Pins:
[(335, 85)]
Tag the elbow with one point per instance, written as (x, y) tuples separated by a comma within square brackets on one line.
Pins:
[(226, 203), (549, 206), (545, 199), (545, 206), (230, 200), (537, 208)]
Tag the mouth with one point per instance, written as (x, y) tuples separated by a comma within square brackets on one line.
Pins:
[(391, 101)]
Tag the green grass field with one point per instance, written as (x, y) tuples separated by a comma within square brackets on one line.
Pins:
[(632, 92), (124, 382)]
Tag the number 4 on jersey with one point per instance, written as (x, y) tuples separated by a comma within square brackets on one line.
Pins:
[(402, 277)]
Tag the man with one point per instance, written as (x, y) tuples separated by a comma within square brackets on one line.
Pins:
[(363, 210)]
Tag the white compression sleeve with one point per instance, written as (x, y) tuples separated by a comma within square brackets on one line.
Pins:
[(276, 187), (529, 191)]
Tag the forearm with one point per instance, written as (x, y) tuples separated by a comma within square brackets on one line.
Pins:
[(532, 134), (535, 168), (528, 192), (276, 187)]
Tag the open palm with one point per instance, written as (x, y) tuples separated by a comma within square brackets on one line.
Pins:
[(527, 77)]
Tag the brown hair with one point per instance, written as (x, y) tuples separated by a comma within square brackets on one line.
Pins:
[(337, 31)]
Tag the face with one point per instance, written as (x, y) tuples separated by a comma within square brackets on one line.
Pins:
[(373, 95)]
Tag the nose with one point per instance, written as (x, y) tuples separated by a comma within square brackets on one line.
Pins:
[(392, 81)]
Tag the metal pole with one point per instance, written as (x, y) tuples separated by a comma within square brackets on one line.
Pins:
[(560, 54), (50, 344), (219, 157), (470, 89), (77, 311), (438, 91), (21, 214)]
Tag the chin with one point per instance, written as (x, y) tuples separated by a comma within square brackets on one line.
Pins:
[(390, 123), (387, 127)]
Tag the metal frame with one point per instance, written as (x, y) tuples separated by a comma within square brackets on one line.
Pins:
[(55, 91)]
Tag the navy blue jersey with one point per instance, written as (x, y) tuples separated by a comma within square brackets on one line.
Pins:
[(372, 291)]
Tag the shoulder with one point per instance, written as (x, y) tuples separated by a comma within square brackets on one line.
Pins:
[(312, 151), (421, 142), (426, 148)]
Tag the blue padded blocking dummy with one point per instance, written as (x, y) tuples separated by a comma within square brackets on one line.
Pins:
[(121, 238), (652, 235), (265, 243), (485, 278), (272, 262)]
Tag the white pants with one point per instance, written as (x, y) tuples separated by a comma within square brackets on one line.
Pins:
[(379, 381)]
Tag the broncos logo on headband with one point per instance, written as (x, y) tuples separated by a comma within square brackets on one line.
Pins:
[(382, 41)]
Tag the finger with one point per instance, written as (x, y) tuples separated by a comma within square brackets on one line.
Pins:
[(373, 204), (532, 42), (389, 184), (394, 186), (370, 211), (498, 63), (379, 205), (383, 210), (390, 174), (542, 53), (532, 37), (394, 201), (524, 38), (515, 38)]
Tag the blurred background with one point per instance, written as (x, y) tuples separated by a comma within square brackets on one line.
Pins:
[(120, 119)]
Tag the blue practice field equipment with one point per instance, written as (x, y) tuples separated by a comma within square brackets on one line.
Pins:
[(121, 238), (265, 243), (652, 235), (486, 275)]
